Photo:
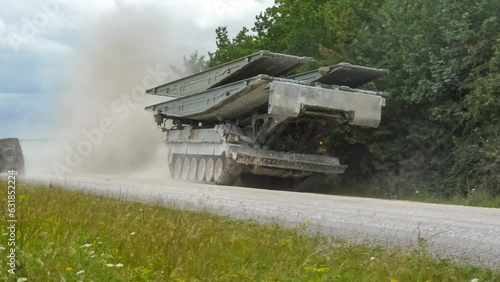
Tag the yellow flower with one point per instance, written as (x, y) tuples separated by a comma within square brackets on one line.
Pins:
[(69, 268), (393, 280), (323, 269)]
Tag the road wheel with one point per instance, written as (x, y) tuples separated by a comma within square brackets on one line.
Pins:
[(9, 155), (193, 166), (171, 165), (202, 165), (209, 173), (178, 168), (185, 169), (227, 171), (218, 168)]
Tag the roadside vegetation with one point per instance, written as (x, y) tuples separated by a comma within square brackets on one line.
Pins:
[(440, 127), (76, 236), (475, 198)]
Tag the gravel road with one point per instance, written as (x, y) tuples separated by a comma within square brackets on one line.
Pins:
[(462, 233)]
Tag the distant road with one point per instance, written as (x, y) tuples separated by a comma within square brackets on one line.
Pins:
[(451, 231)]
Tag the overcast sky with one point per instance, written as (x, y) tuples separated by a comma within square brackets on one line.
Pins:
[(39, 40)]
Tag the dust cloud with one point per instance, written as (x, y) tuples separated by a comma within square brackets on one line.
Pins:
[(127, 51)]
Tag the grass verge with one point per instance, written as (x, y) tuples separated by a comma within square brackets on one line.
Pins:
[(474, 198), (76, 236)]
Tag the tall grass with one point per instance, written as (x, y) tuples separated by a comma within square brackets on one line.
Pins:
[(76, 236)]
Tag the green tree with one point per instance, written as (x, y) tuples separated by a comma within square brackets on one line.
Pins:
[(440, 127), (316, 28), (439, 53), (230, 49), (194, 64)]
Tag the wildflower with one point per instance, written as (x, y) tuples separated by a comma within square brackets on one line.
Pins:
[(2, 248), (80, 272), (110, 265), (22, 279), (372, 258), (416, 192), (118, 265), (475, 279), (68, 268), (132, 234), (393, 280), (86, 246)]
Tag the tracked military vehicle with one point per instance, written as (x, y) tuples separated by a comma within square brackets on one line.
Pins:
[(248, 120), (11, 156)]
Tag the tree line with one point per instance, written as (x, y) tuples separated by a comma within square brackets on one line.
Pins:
[(440, 128)]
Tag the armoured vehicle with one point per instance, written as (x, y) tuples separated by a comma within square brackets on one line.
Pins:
[(11, 156), (248, 120)]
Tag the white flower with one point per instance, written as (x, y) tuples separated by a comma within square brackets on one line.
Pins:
[(118, 265), (91, 252), (110, 265), (475, 280), (80, 272), (86, 246), (132, 234), (372, 258), (2, 248), (22, 279)]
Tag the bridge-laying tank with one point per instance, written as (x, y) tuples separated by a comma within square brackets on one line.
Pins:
[(11, 156), (248, 120)]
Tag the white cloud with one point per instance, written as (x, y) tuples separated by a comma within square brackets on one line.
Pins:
[(42, 61), (3, 27)]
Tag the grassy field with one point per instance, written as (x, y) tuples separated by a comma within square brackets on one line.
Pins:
[(75, 236)]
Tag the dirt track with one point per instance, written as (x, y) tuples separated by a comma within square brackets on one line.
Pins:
[(449, 231)]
